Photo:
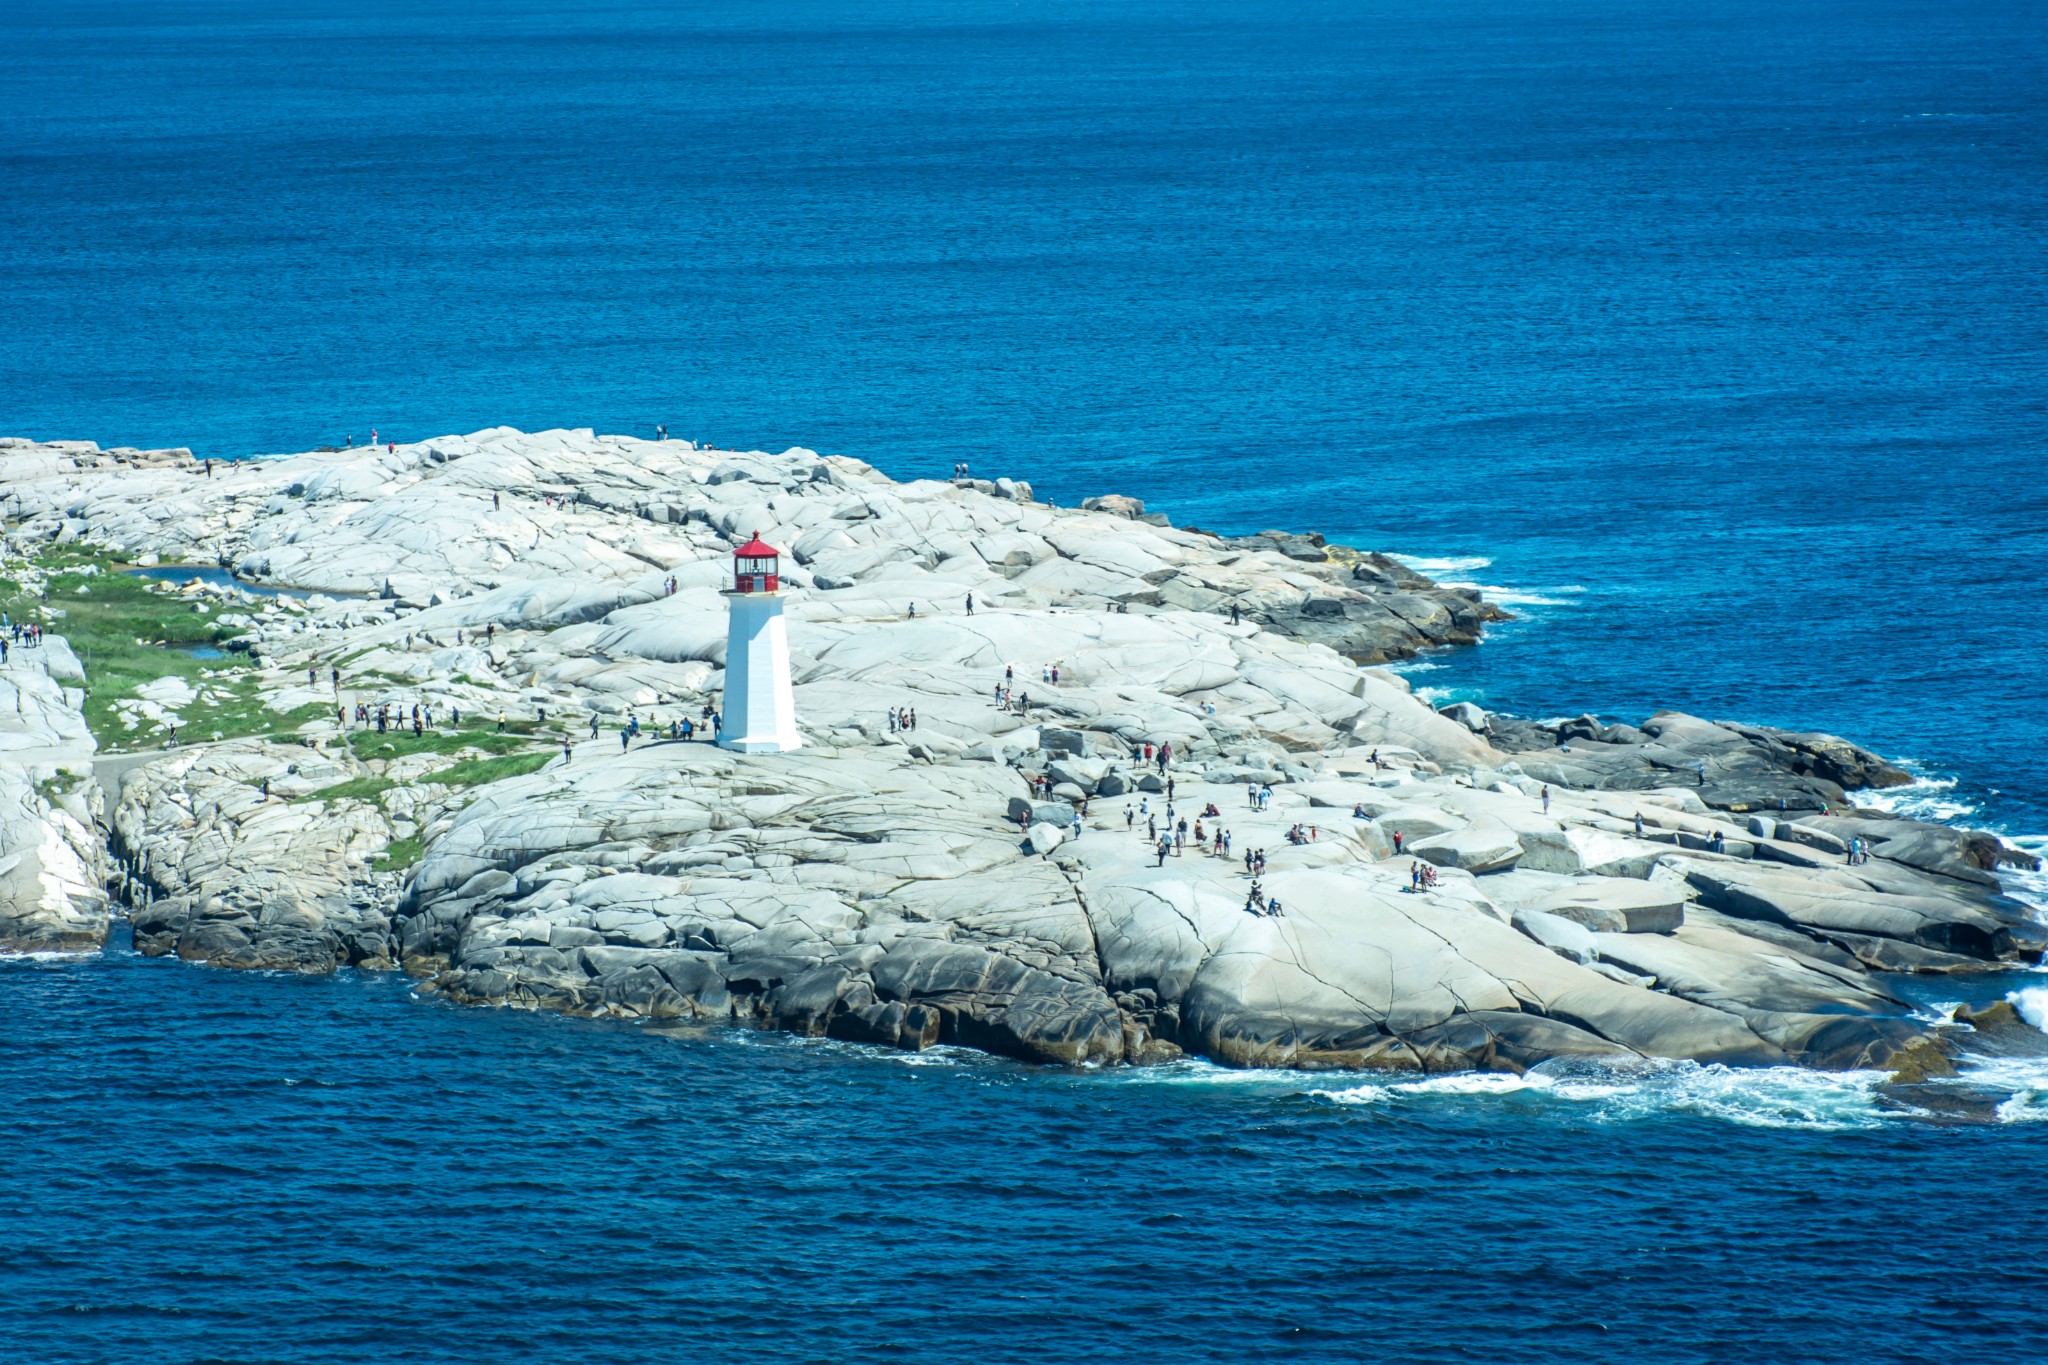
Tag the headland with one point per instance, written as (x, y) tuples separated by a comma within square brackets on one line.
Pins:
[(991, 876)]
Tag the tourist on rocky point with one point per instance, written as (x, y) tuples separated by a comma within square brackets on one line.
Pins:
[(1546, 800), (625, 739)]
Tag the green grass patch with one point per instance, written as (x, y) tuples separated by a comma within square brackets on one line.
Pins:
[(107, 613), (397, 743), (356, 788), (399, 854), (475, 772)]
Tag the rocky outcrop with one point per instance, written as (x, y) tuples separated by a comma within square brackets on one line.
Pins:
[(219, 872), (53, 867), (1732, 767), (989, 877)]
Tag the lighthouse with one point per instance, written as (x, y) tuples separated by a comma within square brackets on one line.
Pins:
[(760, 705)]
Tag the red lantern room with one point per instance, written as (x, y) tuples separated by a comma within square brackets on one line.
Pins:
[(754, 566)]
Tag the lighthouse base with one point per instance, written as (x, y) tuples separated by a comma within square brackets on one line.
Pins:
[(758, 746)]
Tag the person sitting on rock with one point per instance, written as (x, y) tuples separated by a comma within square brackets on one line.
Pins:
[(1273, 907)]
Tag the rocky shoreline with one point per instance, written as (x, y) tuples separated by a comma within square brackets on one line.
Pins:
[(1678, 888)]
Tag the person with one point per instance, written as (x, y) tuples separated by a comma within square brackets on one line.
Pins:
[(501, 722), (1716, 846), (1397, 843), (1703, 774), (1639, 824), (334, 676), (173, 740), (1130, 816), (1358, 812), (625, 739), (913, 717), (1160, 849), (892, 720), (1273, 907), (495, 505), (970, 604), (312, 676), (661, 432), (593, 725), (1546, 800), (1169, 789), (913, 611), (1251, 795), (266, 789), (689, 729), (1235, 614), (565, 748), (209, 474)]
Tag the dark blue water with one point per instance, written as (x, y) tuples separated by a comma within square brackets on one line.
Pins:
[(1716, 329), (204, 1166)]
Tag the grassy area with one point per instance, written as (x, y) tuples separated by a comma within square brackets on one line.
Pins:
[(399, 854), (397, 743), (127, 636), (475, 772), (358, 788)]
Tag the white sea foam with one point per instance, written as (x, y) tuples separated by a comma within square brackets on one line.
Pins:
[(1521, 597), (1437, 567), (2032, 1003), (1925, 798), (2023, 1079), (1768, 1097)]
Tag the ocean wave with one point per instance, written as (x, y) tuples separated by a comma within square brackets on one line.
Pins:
[(2032, 1004), (1767, 1097), (1433, 567), (1927, 798), (2024, 1080), (1520, 597)]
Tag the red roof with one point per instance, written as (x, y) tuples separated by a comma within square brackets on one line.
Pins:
[(756, 548)]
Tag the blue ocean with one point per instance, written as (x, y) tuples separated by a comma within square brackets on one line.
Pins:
[(1709, 338)]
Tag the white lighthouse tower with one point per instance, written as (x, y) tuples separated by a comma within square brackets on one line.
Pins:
[(760, 705)]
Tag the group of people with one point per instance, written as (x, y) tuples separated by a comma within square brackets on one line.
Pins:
[(1421, 876), (960, 469), (383, 719), (902, 718), (1259, 795), (1301, 834), (1258, 903)]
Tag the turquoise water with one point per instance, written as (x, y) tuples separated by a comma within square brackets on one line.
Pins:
[(1709, 336)]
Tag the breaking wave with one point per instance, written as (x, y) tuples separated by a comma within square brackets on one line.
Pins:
[(1435, 567), (1925, 798), (1768, 1097)]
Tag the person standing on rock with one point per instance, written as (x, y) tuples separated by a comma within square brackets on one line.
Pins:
[(1546, 800), (1130, 816), (1703, 774), (970, 604), (1397, 843), (625, 739), (1639, 824), (565, 748), (336, 679), (1161, 850), (1235, 615), (593, 725)]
